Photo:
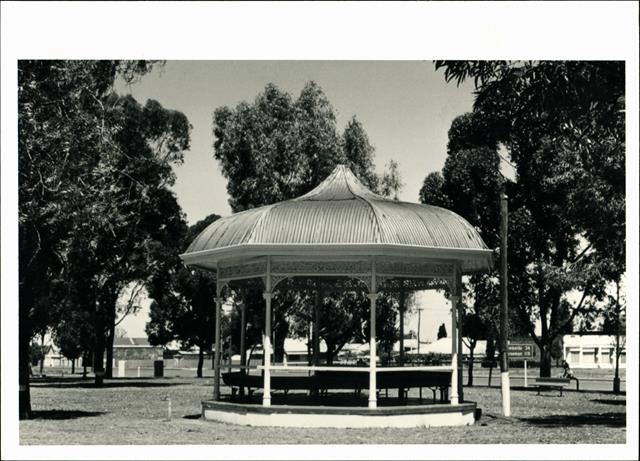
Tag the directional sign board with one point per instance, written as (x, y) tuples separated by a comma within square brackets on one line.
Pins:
[(521, 351)]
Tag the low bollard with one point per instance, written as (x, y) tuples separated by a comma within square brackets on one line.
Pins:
[(138, 372), (168, 400)]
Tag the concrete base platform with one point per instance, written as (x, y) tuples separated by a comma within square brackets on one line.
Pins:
[(339, 417)]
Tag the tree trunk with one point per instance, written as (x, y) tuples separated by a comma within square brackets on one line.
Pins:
[(98, 352), (108, 373), (545, 343), (472, 346), (42, 354), (200, 361), (24, 367), (73, 366), (545, 361), (330, 352)]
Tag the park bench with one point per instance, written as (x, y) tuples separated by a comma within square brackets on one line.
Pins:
[(552, 384), (322, 381)]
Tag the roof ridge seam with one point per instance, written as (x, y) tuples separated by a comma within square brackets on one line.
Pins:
[(376, 218), (259, 221)]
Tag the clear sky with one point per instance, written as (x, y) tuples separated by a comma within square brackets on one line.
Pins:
[(405, 106)]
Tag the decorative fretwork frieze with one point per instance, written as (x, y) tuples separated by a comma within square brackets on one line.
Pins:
[(254, 269), (415, 269), (411, 284), (321, 267), (275, 279)]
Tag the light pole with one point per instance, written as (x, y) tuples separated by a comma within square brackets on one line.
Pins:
[(419, 312), (616, 378), (504, 311)]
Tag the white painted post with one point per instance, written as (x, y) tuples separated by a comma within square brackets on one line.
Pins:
[(454, 350), (525, 373), (121, 368), (243, 327), (266, 338), (458, 285), (218, 352), (138, 372), (373, 296)]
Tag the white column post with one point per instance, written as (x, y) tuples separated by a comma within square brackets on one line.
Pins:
[(458, 285), (316, 326), (218, 352), (454, 347), (243, 328), (373, 296), (401, 299), (266, 338)]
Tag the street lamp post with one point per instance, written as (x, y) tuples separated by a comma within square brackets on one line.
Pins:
[(420, 309), (616, 378), (504, 311)]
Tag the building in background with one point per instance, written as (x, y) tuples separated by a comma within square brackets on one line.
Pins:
[(593, 350), (136, 352)]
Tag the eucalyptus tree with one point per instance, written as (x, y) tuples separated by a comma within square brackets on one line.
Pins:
[(563, 126), (62, 134), (94, 203), (279, 147), (182, 308), (359, 153), (132, 216)]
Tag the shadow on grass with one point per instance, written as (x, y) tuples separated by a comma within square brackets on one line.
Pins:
[(91, 385), (65, 414), (196, 416), (610, 401), (584, 419)]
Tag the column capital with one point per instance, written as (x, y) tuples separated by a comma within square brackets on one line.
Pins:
[(218, 300), (373, 296), (267, 295)]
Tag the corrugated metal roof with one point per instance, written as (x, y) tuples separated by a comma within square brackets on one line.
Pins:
[(341, 210)]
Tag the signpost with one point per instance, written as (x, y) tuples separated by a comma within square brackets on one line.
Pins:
[(519, 351), (522, 351)]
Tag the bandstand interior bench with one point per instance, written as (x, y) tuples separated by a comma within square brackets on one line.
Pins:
[(323, 381), (552, 384)]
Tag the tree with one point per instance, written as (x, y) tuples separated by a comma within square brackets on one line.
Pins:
[(481, 301), (74, 335), (359, 153), (431, 192), (391, 182), (183, 300), (472, 330), (442, 331), (563, 126), (132, 215), (60, 142), (278, 148), (469, 184)]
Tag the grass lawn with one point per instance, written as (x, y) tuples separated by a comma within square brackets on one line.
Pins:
[(132, 411)]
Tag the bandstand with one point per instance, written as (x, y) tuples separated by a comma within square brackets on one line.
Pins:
[(341, 230)]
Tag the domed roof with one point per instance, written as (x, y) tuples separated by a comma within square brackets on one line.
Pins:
[(340, 211)]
